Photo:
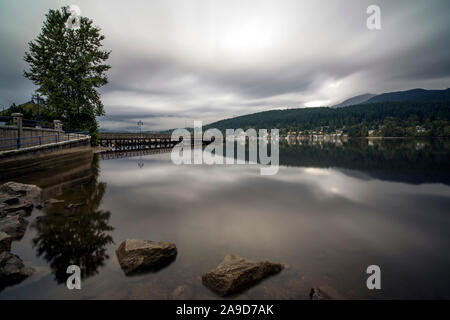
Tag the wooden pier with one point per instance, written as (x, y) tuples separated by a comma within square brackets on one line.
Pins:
[(138, 141)]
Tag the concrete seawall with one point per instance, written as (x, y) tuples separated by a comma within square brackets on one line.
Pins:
[(27, 160)]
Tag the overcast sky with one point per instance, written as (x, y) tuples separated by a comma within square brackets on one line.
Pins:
[(174, 61)]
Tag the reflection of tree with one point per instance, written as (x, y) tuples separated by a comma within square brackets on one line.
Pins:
[(76, 236)]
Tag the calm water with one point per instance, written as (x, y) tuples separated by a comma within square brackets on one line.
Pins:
[(331, 211)]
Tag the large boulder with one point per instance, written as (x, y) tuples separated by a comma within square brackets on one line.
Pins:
[(235, 274), (27, 192), (12, 269), (143, 255), (5, 242), (14, 225)]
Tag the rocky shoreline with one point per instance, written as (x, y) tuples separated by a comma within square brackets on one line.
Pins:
[(17, 201)]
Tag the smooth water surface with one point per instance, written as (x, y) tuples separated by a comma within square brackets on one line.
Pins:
[(332, 210)]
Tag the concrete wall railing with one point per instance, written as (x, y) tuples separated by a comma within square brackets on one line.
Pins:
[(17, 136)]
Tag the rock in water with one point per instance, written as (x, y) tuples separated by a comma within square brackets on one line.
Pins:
[(141, 255), (23, 208), (52, 201), (318, 294), (28, 192), (234, 274), (182, 293), (12, 269), (9, 200), (15, 226), (5, 242)]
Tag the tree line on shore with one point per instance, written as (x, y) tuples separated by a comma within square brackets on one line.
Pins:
[(386, 119)]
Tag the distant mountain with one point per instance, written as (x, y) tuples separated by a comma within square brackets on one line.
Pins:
[(417, 95), (354, 100), (398, 118)]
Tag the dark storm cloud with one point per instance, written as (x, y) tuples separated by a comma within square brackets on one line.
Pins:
[(176, 61)]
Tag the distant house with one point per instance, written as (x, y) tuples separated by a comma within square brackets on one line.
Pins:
[(371, 132), (420, 129)]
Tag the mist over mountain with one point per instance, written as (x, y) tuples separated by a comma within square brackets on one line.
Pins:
[(355, 100)]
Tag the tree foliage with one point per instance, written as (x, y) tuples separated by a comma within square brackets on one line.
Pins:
[(68, 66)]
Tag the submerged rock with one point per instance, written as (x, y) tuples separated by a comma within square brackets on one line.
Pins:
[(5, 242), (12, 269), (318, 294), (327, 292), (75, 205), (52, 201), (48, 202), (182, 292), (235, 274), (15, 226), (140, 255)]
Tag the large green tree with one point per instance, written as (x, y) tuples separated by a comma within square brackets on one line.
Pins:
[(68, 65)]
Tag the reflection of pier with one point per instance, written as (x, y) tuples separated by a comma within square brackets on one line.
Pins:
[(132, 153), (132, 141)]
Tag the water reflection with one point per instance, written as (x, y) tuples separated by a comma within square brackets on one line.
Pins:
[(403, 160), (332, 210), (77, 231)]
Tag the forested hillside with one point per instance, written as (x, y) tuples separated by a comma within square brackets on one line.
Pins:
[(385, 119)]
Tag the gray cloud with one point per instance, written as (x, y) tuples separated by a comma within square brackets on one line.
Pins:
[(176, 61)]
